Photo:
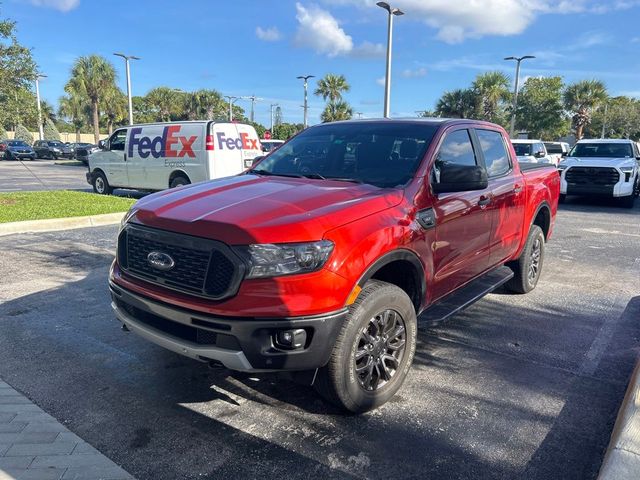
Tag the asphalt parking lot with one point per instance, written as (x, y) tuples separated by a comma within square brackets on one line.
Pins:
[(26, 175), (514, 387)]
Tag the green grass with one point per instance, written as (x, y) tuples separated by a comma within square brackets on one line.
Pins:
[(19, 206)]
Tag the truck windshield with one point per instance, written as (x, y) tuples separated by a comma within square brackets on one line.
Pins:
[(380, 154), (602, 150), (553, 147), (522, 149)]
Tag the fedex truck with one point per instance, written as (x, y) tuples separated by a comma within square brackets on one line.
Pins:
[(157, 156)]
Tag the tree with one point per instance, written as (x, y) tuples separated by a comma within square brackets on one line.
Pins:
[(166, 102), (22, 133), (331, 87), (91, 77), (540, 109), (50, 130), (3, 133), (142, 111), (457, 104), (206, 105), (260, 129), (17, 71), (73, 108), (283, 131), (492, 90), (581, 99), (335, 111), (277, 117), (115, 107), (620, 117)]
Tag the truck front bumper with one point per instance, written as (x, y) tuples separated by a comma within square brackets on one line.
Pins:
[(243, 344)]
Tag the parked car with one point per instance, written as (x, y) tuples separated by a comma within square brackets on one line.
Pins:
[(319, 265), (557, 150), (598, 167), (157, 156), (16, 149), (52, 149), (270, 145), (81, 151), (531, 151)]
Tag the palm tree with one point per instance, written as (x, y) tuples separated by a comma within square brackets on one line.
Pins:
[(492, 89), (206, 104), (335, 111), (457, 104), (165, 101), (331, 87), (115, 107), (91, 77), (581, 98), (73, 108)]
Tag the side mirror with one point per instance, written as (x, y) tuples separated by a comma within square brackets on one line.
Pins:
[(102, 145), (564, 154), (540, 154), (461, 178)]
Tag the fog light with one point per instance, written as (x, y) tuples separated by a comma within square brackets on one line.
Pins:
[(291, 339)]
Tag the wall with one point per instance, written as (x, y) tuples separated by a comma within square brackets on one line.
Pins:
[(67, 137)]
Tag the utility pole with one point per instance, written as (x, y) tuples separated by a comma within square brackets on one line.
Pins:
[(359, 114), (126, 62), (232, 100), (273, 105), (40, 130), (387, 79), (253, 99), (515, 91), (305, 78)]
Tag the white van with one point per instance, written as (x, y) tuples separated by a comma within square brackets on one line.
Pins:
[(157, 156)]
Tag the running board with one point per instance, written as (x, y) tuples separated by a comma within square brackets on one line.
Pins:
[(465, 296)]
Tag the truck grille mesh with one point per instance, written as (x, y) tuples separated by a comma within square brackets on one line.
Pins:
[(592, 176), (201, 267)]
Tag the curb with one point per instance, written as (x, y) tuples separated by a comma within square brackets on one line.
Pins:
[(622, 460), (53, 224)]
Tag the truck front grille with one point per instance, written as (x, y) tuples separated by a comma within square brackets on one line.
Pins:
[(201, 267), (605, 176)]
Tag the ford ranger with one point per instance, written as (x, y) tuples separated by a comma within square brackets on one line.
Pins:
[(320, 257)]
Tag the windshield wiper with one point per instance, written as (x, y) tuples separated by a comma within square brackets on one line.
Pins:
[(345, 179), (268, 173), (316, 176)]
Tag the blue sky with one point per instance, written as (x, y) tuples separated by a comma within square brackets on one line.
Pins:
[(258, 47)]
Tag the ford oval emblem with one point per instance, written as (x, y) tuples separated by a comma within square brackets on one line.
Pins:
[(160, 261)]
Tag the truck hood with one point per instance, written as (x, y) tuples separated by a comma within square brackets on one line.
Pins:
[(598, 162), (251, 209)]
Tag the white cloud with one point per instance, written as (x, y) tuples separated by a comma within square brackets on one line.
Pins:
[(418, 72), (380, 81), (319, 30), (456, 21), (369, 50), (269, 34), (62, 5)]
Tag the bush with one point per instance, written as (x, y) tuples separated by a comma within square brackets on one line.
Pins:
[(3, 134), (23, 134), (50, 131)]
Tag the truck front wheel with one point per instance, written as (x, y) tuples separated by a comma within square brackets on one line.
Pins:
[(528, 266), (100, 184), (374, 350)]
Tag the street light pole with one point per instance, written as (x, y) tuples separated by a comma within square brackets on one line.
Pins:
[(126, 62), (387, 79), (305, 78), (515, 91), (232, 100), (40, 130)]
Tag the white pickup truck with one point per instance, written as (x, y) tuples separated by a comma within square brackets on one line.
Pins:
[(531, 151), (598, 167)]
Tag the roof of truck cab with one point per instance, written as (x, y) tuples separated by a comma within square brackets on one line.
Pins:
[(422, 120), (605, 140), (192, 122)]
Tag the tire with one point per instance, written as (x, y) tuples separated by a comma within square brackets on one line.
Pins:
[(628, 202), (528, 267), (562, 198), (100, 184), (339, 381), (179, 181)]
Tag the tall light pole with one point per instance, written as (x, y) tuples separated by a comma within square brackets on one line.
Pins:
[(126, 62), (231, 100), (40, 130), (515, 91), (273, 105), (387, 79), (305, 78)]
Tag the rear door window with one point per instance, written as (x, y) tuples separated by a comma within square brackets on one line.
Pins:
[(496, 157)]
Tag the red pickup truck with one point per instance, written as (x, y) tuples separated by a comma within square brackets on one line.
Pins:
[(320, 258)]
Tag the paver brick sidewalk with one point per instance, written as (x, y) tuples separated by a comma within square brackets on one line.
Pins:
[(35, 446)]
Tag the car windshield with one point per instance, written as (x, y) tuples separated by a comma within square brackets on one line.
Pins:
[(603, 150), (553, 147), (522, 149), (380, 154), (17, 143)]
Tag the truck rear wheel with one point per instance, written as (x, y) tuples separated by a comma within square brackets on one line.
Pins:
[(528, 267), (374, 350), (178, 181)]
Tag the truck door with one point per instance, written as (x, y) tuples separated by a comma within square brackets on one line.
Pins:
[(463, 222), (508, 195), (113, 160)]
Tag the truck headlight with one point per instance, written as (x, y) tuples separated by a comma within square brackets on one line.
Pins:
[(126, 218), (272, 260), (628, 171)]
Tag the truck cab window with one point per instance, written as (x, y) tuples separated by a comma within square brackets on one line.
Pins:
[(496, 157), (117, 140)]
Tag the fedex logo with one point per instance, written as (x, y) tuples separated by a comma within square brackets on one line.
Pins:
[(169, 144), (241, 143)]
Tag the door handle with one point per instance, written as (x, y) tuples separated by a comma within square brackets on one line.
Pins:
[(484, 201), (517, 189)]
